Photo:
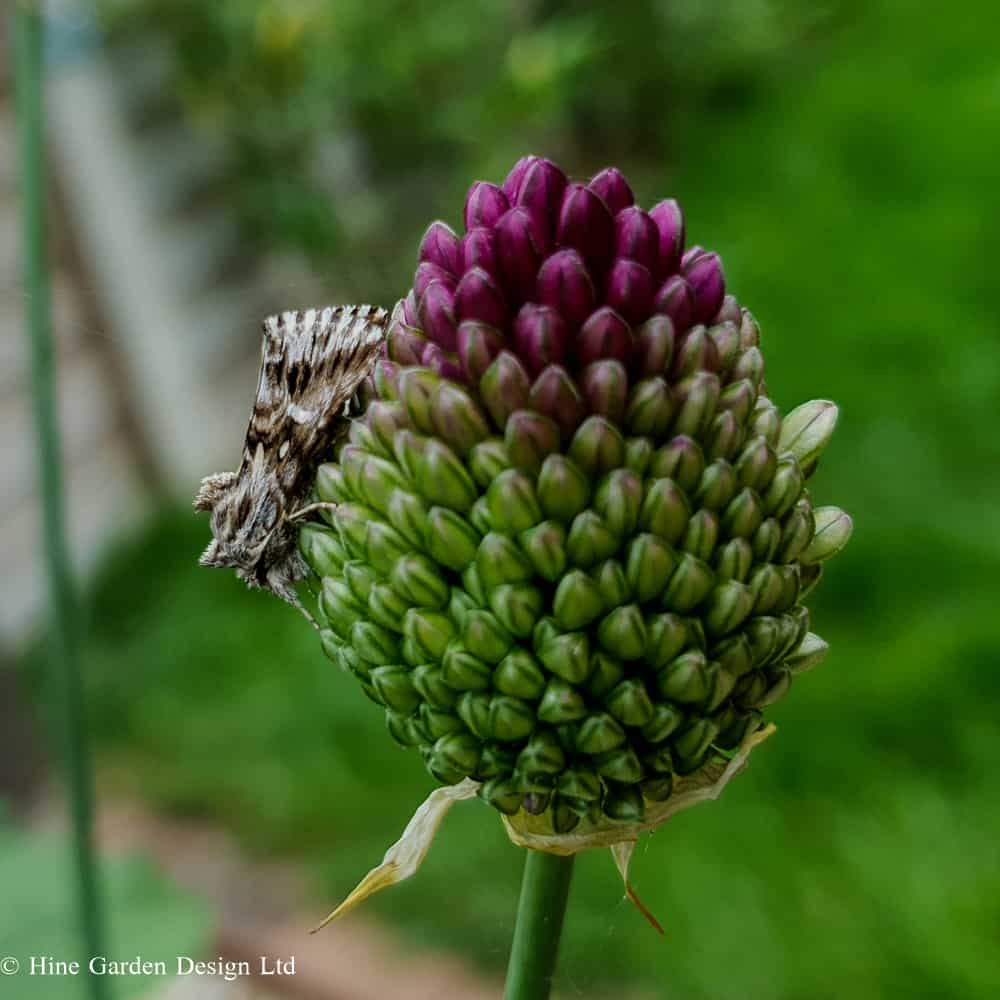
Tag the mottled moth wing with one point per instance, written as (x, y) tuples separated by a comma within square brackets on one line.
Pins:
[(312, 364)]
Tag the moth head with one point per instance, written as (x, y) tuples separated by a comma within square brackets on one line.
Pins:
[(213, 488)]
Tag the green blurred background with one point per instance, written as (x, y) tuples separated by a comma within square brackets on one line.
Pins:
[(842, 157)]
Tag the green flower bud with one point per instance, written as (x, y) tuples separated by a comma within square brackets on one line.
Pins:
[(701, 534), (810, 652), (351, 521), (454, 757), (833, 531), (796, 532), (597, 447), (563, 488), (756, 464), (580, 783), (497, 760), (428, 682), (487, 460), (691, 744), (339, 606), (395, 688), (473, 708), (385, 420), (330, 485), (500, 560), (578, 601), (623, 632), (734, 560), (473, 586), (779, 683), (437, 723), (512, 502), (387, 607), (727, 607), (617, 500), (785, 488), (501, 794), (664, 721), (511, 719), (686, 679), (504, 387), (518, 674), (689, 586), (698, 396), (517, 606), (605, 673), (738, 398), (623, 803), (717, 486), (383, 546), (638, 454), (681, 460), (479, 516), (766, 540), (763, 634), (766, 586), (567, 655), (419, 580), (560, 703), (666, 635), (430, 631), (810, 575), (407, 513), (649, 563), (462, 671), (378, 480), (659, 762), (807, 430), (450, 539), (359, 578), (485, 637), (374, 644), (405, 729), (657, 789), (665, 510), (322, 549), (443, 479), (766, 421), (545, 547), (621, 766), (598, 733), (530, 438), (630, 704), (724, 437), (611, 580), (650, 408), (456, 419), (749, 365), (417, 387), (743, 515), (590, 540)]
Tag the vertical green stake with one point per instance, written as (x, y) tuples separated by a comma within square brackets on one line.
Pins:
[(65, 681), (540, 912)]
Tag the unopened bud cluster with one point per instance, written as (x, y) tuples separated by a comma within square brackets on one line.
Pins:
[(573, 535)]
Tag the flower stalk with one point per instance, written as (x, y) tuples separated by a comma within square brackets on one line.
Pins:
[(540, 912)]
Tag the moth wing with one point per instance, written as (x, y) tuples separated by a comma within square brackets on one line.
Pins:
[(312, 363)]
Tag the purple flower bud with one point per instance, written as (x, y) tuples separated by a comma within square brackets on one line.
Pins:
[(406, 345), (540, 193), (586, 224), (669, 220), (654, 347), (479, 297), (504, 388), (555, 394), (512, 183), (479, 249), (564, 283), (411, 315), (692, 254), (637, 238), (440, 246), (630, 290), (437, 314), (676, 300), (519, 245), (442, 362), (726, 336), (540, 337), (605, 388), (613, 189), (604, 335), (428, 272), (484, 204), (478, 345), (704, 275)]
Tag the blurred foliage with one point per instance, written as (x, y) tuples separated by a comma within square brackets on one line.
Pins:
[(845, 181), (351, 124), (149, 918)]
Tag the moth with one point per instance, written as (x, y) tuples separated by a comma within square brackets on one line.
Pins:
[(312, 365)]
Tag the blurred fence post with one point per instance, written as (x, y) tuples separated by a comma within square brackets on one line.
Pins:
[(65, 682)]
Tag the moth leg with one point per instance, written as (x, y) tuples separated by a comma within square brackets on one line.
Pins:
[(297, 515), (283, 588)]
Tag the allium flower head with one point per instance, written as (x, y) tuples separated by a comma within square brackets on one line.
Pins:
[(573, 535)]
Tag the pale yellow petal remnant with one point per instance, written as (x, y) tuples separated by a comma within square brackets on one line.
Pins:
[(405, 856)]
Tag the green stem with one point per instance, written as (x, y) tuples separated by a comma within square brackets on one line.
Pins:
[(65, 682), (540, 912)]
